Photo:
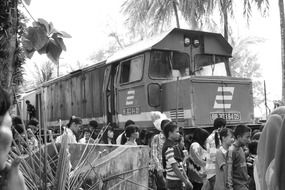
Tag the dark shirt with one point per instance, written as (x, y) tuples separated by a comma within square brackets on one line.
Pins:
[(31, 110), (240, 177)]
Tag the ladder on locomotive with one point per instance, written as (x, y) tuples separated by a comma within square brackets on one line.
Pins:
[(104, 128)]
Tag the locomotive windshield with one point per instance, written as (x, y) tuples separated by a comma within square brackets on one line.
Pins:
[(210, 65), (168, 64)]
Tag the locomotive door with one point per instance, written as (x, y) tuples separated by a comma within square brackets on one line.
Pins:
[(130, 91), (109, 93)]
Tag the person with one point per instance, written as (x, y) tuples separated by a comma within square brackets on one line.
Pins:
[(71, 130), (10, 175), (86, 137), (252, 146), (32, 140), (132, 133), (156, 154), (197, 158), (31, 110), (175, 175), (237, 175), (213, 142), (121, 139), (93, 126), (142, 138), (226, 137), (266, 150), (108, 137)]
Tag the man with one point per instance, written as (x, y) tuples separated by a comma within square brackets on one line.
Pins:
[(175, 174), (71, 130), (122, 139), (31, 110), (212, 143)]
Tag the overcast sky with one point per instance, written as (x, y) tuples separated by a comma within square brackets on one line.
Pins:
[(90, 21)]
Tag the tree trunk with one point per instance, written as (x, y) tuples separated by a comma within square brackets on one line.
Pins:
[(176, 13), (9, 45), (282, 30), (224, 6)]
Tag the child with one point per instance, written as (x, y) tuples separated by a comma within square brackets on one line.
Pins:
[(237, 176), (226, 137), (87, 137), (175, 175)]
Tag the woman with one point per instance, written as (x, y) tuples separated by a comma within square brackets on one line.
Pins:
[(10, 176), (108, 137), (197, 158), (132, 133)]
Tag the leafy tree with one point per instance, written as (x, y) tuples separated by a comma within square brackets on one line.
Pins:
[(12, 25), (44, 72), (245, 64), (45, 39), (159, 13)]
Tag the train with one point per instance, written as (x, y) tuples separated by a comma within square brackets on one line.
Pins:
[(182, 73)]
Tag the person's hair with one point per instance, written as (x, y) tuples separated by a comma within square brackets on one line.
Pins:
[(93, 124), (256, 136), (169, 127), (105, 135), (163, 123), (200, 136), (143, 134), (130, 130), (240, 130), (129, 122), (218, 123), (5, 102), (224, 133), (124, 138), (252, 147), (16, 120), (28, 102), (75, 120), (87, 131), (33, 122)]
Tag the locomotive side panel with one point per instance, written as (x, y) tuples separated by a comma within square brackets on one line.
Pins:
[(96, 86)]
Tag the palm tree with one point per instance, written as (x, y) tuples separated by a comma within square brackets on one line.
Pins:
[(282, 30), (225, 8), (158, 13)]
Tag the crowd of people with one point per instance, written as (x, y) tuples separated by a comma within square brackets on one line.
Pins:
[(225, 158), (222, 159)]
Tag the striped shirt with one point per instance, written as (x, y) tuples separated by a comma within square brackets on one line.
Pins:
[(169, 159)]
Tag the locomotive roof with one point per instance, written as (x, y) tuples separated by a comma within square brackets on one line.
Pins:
[(169, 40)]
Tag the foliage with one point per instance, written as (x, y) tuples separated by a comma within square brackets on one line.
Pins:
[(44, 72), (245, 64), (11, 53), (45, 39)]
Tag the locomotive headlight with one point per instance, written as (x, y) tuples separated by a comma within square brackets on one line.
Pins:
[(196, 43), (187, 41)]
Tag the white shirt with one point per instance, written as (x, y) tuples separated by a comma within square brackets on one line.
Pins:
[(119, 138), (70, 136)]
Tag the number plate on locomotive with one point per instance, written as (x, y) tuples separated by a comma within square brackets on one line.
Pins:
[(229, 116)]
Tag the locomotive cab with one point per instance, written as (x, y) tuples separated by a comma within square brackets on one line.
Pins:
[(184, 74)]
